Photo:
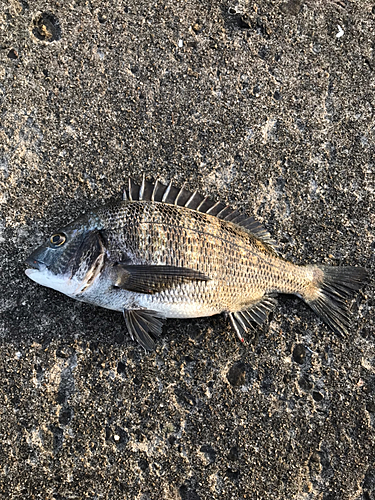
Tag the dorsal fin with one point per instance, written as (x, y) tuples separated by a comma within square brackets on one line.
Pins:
[(172, 195)]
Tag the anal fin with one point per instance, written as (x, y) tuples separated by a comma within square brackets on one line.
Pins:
[(257, 313), (143, 326)]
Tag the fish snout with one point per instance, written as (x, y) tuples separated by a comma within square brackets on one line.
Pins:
[(33, 263), (37, 259)]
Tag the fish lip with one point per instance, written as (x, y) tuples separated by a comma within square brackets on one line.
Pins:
[(34, 263)]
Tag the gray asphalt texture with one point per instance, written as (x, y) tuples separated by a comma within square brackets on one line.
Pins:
[(268, 105)]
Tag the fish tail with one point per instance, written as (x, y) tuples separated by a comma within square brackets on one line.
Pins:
[(329, 289)]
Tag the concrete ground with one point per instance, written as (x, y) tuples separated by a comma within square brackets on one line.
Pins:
[(267, 105)]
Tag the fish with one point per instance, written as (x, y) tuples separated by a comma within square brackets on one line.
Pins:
[(166, 252)]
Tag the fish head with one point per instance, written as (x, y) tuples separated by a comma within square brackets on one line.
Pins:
[(69, 260)]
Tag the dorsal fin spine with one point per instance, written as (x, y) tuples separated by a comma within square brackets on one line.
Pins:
[(165, 195), (154, 190), (220, 214), (142, 188), (213, 207), (201, 203), (190, 199), (179, 194), (130, 190)]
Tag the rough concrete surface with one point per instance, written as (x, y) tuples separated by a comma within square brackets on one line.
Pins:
[(268, 105)]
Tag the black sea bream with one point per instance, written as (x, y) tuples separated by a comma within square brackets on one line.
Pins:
[(162, 252)]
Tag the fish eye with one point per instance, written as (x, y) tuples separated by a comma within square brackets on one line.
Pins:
[(57, 239)]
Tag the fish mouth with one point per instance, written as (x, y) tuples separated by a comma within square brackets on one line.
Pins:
[(35, 264)]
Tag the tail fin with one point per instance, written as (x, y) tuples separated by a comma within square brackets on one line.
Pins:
[(333, 285)]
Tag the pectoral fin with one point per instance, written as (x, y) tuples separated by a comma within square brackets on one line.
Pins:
[(143, 326), (152, 279)]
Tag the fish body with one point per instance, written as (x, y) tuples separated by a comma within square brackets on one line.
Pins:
[(168, 253)]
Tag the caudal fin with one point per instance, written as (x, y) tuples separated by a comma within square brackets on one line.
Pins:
[(334, 285)]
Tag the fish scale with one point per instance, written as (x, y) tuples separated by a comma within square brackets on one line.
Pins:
[(162, 252)]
